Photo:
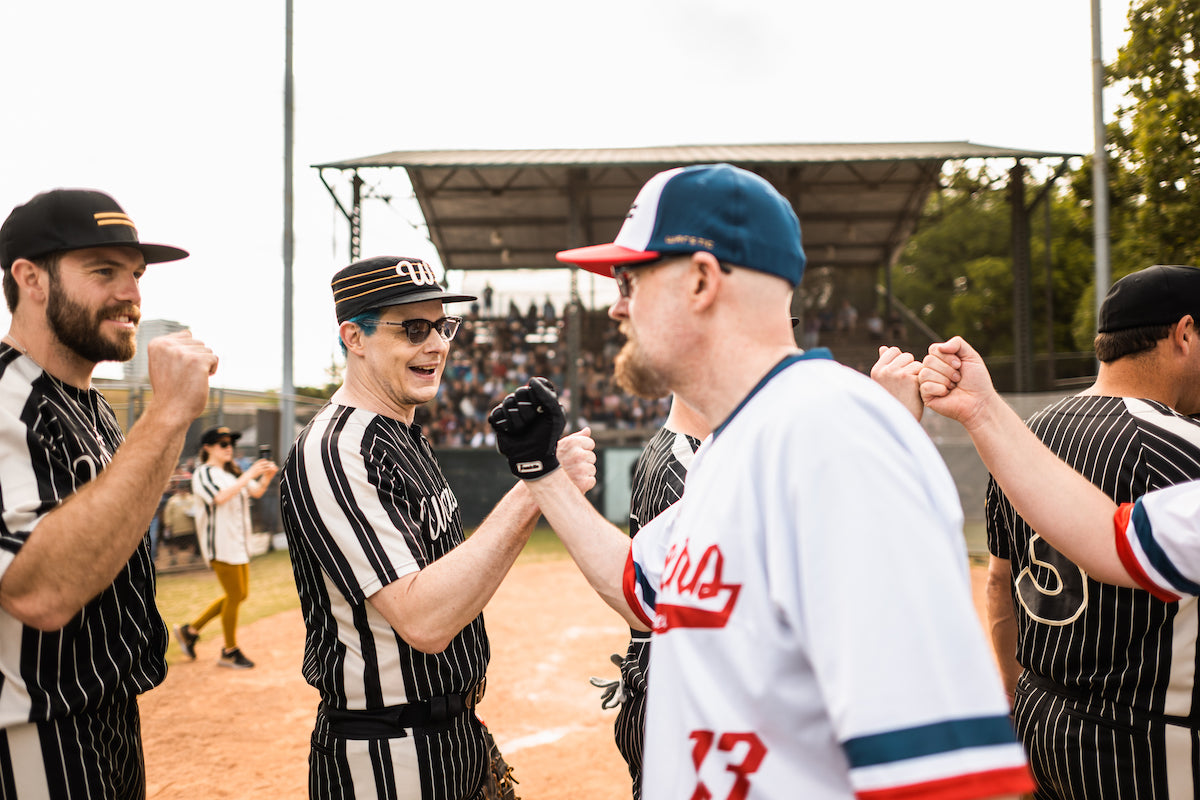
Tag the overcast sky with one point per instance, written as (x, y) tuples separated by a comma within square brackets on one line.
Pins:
[(176, 110)]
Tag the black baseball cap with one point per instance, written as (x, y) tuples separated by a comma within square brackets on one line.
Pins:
[(72, 219), (214, 435), (386, 281), (1158, 295)]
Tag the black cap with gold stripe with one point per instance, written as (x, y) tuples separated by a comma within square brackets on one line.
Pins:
[(386, 281), (72, 219)]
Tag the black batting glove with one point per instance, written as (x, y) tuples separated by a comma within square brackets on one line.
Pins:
[(527, 425)]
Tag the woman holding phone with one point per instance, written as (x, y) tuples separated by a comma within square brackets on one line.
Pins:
[(223, 528)]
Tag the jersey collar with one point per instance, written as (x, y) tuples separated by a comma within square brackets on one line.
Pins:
[(821, 353)]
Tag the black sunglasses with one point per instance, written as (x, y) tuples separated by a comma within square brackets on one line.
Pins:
[(418, 329)]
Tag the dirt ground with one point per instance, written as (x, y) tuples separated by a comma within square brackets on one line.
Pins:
[(219, 733)]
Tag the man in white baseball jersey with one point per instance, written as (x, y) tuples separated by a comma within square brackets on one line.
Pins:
[(814, 634)]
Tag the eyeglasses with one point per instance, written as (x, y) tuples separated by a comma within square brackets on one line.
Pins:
[(624, 276), (225, 444), (418, 329), (625, 280)]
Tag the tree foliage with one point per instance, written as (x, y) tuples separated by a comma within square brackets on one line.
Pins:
[(956, 271), (1155, 140)]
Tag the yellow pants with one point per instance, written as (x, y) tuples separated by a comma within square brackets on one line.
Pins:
[(235, 580)]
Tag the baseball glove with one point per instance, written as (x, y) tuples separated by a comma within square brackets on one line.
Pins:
[(499, 783), (614, 693)]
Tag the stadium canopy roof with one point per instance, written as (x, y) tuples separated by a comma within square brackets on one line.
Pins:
[(513, 209)]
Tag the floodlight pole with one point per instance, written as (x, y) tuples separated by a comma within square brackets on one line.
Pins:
[(1099, 167), (286, 402)]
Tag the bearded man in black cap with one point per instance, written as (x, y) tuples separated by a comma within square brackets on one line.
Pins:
[(1103, 677), (392, 593), (80, 635)]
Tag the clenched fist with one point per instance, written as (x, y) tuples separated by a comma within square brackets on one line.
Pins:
[(528, 424)]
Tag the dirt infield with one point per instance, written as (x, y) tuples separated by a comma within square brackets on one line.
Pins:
[(220, 733)]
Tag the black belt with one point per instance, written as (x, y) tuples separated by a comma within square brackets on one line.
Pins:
[(389, 722), (1080, 695)]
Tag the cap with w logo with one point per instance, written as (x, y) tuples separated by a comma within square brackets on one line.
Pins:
[(72, 219), (386, 281)]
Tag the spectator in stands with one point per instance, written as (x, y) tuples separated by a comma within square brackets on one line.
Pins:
[(179, 520), (847, 319)]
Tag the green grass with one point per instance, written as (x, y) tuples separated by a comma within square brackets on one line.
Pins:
[(183, 595), (975, 532), (543, 545)]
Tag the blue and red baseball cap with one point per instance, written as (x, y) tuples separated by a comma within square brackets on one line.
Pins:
[(715, 208)]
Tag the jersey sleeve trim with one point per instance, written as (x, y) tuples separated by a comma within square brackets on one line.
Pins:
[(946, 760), (1013, 780), (1133, 532), (639, 594), (927, 740)]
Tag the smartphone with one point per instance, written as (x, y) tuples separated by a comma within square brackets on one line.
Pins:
[(264, 451)]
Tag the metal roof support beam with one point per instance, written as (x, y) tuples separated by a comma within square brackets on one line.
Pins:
[(1022, 304), (1043, 196), (576, 192), (354, 215)]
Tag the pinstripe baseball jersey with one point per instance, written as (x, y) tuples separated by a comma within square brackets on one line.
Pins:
[(223, 531), (658, 479), (365, 503), (814, 632), (54, 438), (1118, 643)]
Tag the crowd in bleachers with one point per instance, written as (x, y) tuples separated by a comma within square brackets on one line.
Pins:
[(492, 355)]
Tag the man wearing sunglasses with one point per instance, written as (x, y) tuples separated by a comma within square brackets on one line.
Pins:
[(814, 634), (391, 591)]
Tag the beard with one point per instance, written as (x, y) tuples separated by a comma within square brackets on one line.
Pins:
[(78, 327), (633, 374)]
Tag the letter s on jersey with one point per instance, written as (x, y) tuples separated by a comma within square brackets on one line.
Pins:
[(694, 595)]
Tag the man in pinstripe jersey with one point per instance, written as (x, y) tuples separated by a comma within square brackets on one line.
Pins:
[(1103, 677), (391, 591), (658, 480), (80, 635)]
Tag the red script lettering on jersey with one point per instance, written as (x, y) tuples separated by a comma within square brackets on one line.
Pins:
[(693, 594)]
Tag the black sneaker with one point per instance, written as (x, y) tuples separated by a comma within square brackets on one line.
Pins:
[(187, 639), (234, 658)]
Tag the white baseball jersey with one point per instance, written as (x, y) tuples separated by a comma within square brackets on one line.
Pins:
[(815, 634), (1157, 540), (223, 530)]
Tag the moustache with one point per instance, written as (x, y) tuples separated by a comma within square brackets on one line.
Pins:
[(131, 311)]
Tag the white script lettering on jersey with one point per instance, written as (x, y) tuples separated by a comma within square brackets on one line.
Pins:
[(85, 469), (701, 598), (438, 510), (420, 274)]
